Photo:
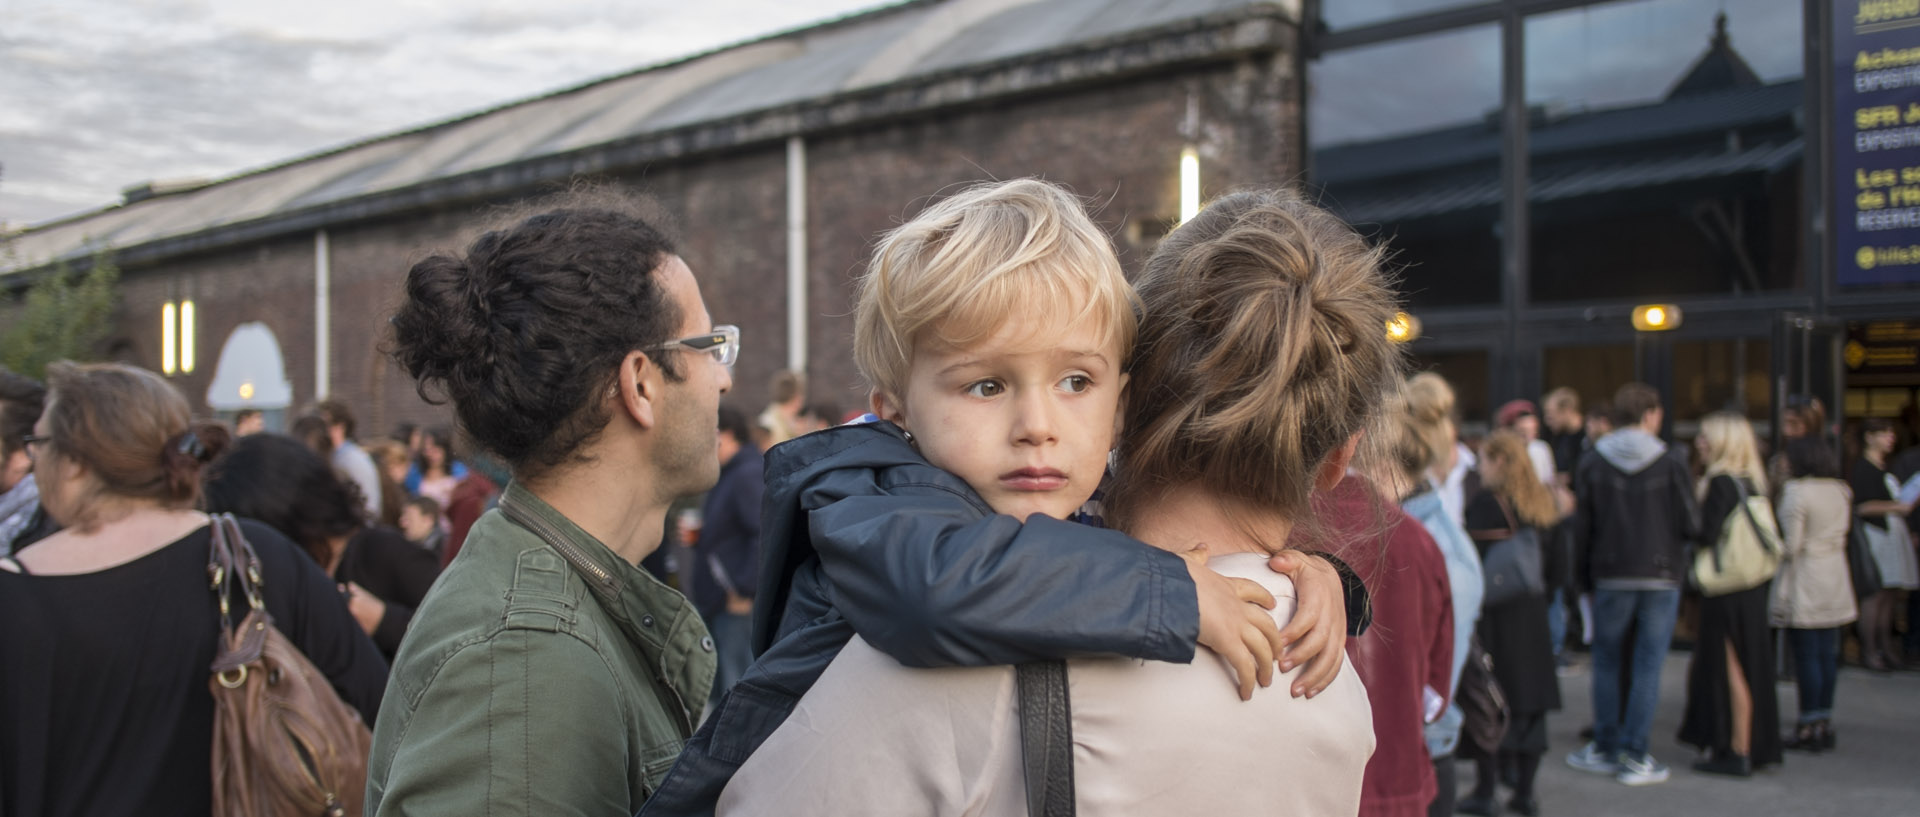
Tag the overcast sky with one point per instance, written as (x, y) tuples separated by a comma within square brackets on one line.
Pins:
[(98, 95)]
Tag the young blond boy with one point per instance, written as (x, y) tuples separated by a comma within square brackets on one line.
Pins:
[(994, 328)]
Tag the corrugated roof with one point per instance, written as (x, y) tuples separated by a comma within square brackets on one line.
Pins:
[(888, 45)]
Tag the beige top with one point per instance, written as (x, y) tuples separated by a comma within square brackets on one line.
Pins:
[(873, 737), (1814, 588)]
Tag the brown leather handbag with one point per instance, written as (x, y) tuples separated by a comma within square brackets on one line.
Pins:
[(283, 741)]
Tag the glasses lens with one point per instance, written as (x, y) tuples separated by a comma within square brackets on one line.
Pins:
[(729, 350)]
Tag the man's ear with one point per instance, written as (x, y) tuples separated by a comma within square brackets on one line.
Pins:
[(1334, 469), (639, 388), (887, 408)]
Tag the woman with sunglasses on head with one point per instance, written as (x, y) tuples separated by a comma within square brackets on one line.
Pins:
[(105, 695)]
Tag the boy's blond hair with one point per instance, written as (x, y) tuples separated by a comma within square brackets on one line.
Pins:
[(962, 268)]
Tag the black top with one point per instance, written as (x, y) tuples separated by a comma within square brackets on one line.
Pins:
[(1515, 634), (104, 692), (395, 571), (1723, 500), (1869, 483)]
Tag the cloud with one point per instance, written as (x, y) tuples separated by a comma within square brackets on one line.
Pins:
[(102, 95)]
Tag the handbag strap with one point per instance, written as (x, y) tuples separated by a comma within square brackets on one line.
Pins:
[(1046, 737), (232, 563)]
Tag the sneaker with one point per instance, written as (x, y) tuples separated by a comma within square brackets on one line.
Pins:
[(1588, 758), (1641, 771)]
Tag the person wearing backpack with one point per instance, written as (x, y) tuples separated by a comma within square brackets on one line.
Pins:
[(1731, 710)]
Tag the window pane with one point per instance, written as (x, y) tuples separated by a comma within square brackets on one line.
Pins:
[(1340, 14), (1665, 148), (1466, 372), (1405, 142), (1721, 375), (1595, 372)]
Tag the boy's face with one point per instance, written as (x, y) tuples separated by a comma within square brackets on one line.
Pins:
[(1025, 417), (414, 524)]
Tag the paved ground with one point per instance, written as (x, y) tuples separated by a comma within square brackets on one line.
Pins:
[(1875, 771)]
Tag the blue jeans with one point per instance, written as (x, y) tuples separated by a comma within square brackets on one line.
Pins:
[(1654, 611), (732, 647), (1816, 666)]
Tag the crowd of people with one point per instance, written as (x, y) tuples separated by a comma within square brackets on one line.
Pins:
[(1161, 495)]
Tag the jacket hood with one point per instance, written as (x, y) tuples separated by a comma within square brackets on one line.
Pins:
[(1630, 449)]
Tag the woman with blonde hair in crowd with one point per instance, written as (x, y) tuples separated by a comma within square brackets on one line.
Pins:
[(1411, 441), (1514, 501), (1430, 400), (1813, 593), (105, 695), (1731, 712)]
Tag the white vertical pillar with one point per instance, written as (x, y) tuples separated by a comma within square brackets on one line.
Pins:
[(797, 254), (322, 315)]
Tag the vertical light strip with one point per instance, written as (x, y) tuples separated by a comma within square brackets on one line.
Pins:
[(797, 254), (187, 329), (1189, 184), (167, 340), (322, 314)]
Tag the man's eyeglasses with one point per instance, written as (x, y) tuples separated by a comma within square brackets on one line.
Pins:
[(723, 343), (28, 441)]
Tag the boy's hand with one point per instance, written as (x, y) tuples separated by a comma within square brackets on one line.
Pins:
[(1317, 635), (1234, 621)]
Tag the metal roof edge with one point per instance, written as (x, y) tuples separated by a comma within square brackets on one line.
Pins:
[(918, 94)]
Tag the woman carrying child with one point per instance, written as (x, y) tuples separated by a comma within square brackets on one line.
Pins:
[(1260, 363), (993, 326)]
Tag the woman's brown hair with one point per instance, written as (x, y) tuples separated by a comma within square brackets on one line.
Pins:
[(1262, 349), (1513, 479), (133, 433)]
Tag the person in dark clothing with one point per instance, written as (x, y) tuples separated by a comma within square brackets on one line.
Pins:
[(726, 558), (1515, 634), (1566, 431), (22, 521), (1731, 709), (277, 480), (105, 697), (1635, 517), (1884, 518)]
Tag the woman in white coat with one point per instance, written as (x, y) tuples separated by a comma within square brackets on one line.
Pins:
[(1813, 592)]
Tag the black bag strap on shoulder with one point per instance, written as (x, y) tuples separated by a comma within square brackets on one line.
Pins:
[(1046, 737)]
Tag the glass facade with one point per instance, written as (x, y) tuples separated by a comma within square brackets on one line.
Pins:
[(1664, 149), (1664, 159), (1405, 141)]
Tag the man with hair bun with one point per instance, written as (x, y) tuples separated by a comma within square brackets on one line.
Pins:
[(545, 672)]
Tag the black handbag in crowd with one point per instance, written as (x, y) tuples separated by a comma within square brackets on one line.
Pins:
[(1483, 705), (1512, 568)]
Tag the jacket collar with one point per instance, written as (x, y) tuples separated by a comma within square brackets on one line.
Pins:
[(647, 611)]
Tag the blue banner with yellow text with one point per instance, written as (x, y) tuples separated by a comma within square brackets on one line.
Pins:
[(1876, 145)]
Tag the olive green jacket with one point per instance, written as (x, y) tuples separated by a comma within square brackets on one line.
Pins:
[(542, 674)]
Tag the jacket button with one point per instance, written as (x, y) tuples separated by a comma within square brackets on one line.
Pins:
[(706, 644), (646, 621)]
